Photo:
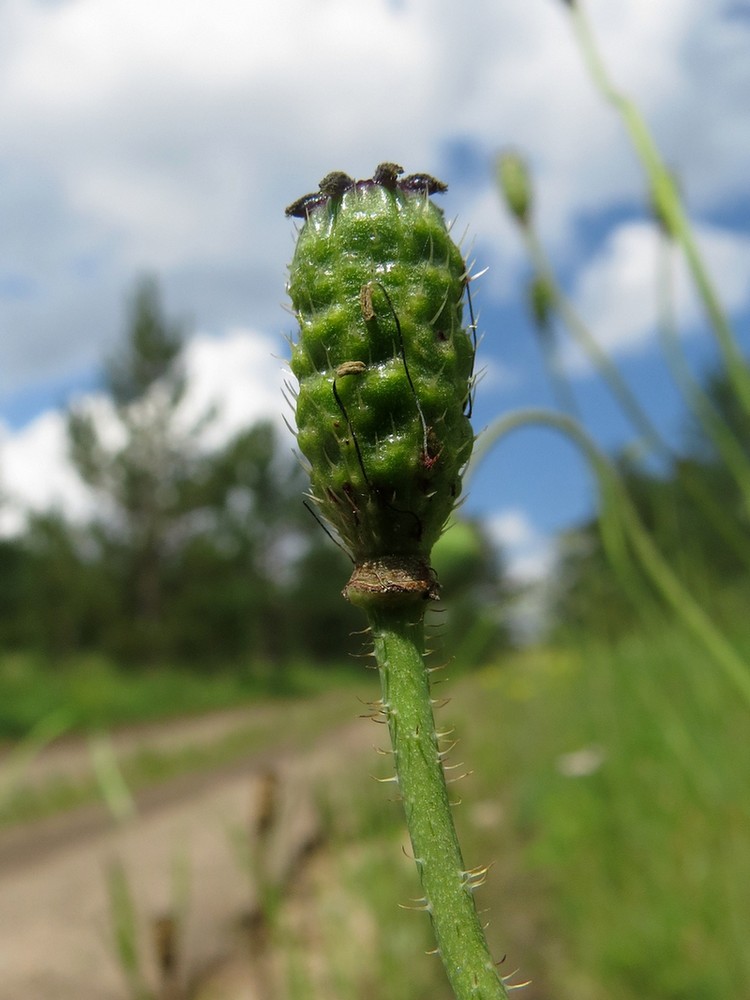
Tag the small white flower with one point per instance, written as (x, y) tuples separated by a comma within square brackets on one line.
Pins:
[(580, 763)]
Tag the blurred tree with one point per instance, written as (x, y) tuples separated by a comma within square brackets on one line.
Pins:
[(252, 529), (203, 547), (140, 468), (14, 625), (69, 595), (475, 594), (55, 596), (323, 624)]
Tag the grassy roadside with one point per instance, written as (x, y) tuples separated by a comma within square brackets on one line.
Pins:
[(624, 774), (622, 779), (295, 719), (609, 793), (97, 694)]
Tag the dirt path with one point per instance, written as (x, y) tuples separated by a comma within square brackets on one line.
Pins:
[(70, 756), (55, 920)]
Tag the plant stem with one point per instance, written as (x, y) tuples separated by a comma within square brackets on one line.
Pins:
[(695, 487), (618, 515), (726, 442), (447, 885), (591, 347), (668, 203)]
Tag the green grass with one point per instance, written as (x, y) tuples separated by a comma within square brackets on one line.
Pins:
[(623, 775), (610, 792), (92, 694), (609, 788), (97, 694)]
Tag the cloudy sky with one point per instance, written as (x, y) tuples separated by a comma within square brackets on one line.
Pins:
[(166, 136)]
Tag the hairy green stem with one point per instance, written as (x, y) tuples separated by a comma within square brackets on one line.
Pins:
[(448, 887), (385, 370)]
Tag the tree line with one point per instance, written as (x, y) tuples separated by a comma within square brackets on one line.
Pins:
[(195, 555)]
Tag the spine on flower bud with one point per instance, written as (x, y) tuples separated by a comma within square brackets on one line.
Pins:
[(384, 365)]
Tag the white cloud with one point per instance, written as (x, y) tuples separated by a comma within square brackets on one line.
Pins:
[(240, 374), (512, 528), (617, 294), (36, 474), (138, 134), (529, 558), (528, 553)]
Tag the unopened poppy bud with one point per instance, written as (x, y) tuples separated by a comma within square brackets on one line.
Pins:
[(384, 362)]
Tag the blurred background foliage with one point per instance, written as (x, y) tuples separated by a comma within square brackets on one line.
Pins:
[(705, 555), (206, 559), (201, 558)]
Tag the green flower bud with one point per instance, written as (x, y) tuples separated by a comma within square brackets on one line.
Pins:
[(384, 366), (515, 186), (541, 297)]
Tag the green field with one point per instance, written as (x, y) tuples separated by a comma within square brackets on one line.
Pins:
[(92, 692), (609, 792)]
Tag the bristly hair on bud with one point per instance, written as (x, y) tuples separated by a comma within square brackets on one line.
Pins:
[(385, 369)]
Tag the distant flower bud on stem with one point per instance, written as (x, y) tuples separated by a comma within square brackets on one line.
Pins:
[(541, 298), (515, 186)]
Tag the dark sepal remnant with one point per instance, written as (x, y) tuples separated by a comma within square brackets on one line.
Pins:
[(386, 175), (423, 182)]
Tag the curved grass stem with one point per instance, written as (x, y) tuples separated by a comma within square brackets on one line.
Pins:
[(446, 883), (620, 520), (730, 450)]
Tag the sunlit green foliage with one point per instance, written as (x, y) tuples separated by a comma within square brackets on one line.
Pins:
[(703, 554)]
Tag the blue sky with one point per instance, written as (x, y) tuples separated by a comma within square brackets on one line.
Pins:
[(167, 136)]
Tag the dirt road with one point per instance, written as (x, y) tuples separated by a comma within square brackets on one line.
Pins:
[(56, 938)]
